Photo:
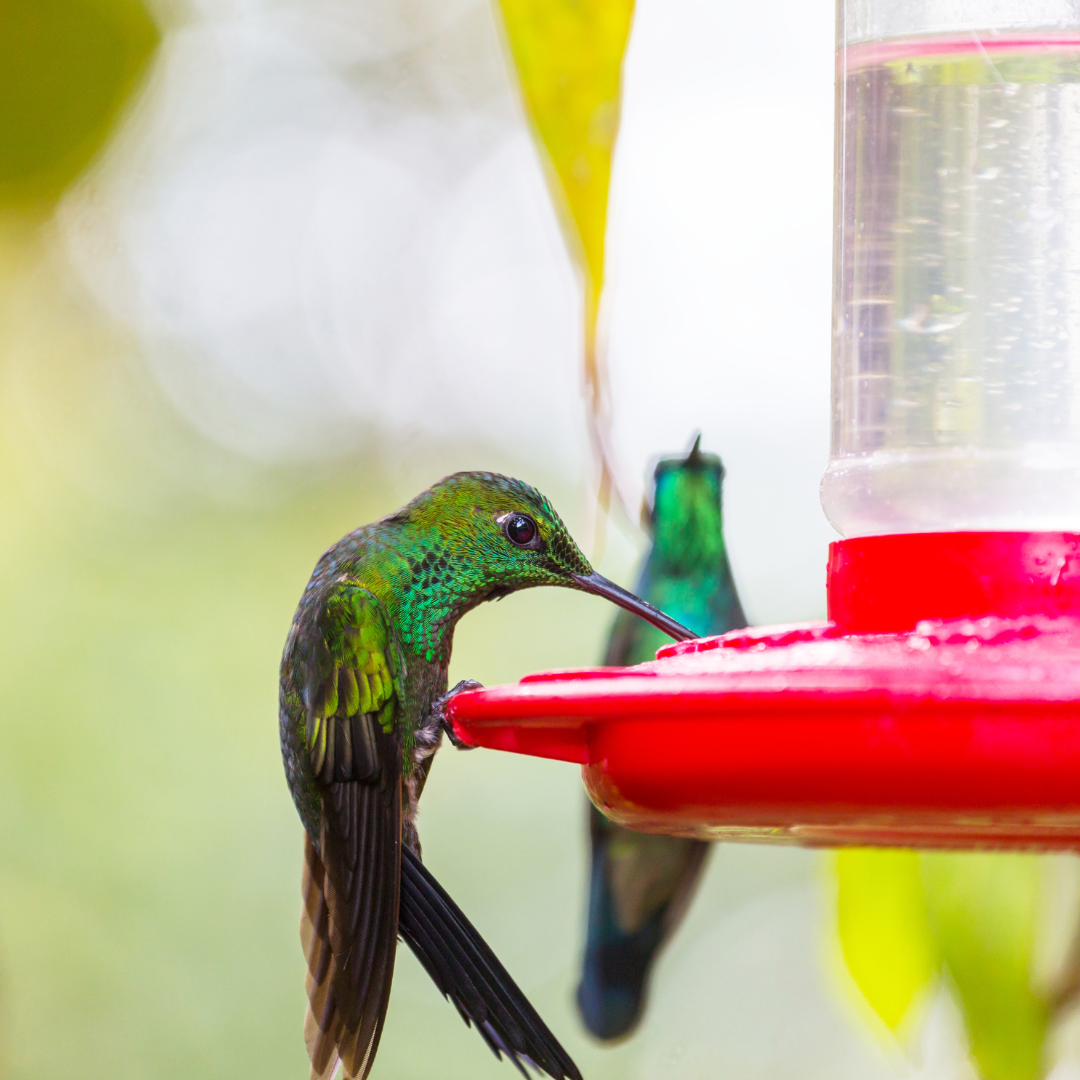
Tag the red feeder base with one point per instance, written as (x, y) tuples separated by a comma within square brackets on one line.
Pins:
[(939, 707)]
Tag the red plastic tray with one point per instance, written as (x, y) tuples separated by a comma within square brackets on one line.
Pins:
[(879, 727)]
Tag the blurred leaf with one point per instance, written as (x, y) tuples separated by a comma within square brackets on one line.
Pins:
[(569, 56), (67, 67), (884, 927), (984, 910)]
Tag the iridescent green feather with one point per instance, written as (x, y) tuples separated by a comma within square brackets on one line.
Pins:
[(361, 649)]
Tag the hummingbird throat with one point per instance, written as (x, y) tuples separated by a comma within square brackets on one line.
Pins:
[(438, 588)]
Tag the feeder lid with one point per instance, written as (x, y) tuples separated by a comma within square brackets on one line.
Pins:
[(959, 732)]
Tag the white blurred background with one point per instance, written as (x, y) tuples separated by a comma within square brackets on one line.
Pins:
[(326, 221)]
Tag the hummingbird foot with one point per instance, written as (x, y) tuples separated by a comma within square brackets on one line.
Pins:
[(438, 712)]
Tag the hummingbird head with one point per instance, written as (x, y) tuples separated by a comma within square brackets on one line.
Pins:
[(479, 536), (685, 514)]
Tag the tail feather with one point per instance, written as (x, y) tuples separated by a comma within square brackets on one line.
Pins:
[(348, 929), (463, 967), (320, 1030), (639, 891), (457, 958)]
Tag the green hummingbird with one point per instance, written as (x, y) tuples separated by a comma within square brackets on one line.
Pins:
[(362, 693), (640, 884)]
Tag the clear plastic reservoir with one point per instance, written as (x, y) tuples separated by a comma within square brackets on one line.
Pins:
[(956, 299)]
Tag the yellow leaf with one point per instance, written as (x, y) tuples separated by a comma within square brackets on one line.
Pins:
[(885, 933), (569, 56), (985, 911)]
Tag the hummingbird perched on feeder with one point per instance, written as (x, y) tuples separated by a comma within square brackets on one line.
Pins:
[(362, 693), (640, 884)]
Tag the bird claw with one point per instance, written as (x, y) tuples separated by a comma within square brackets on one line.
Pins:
[(440, 705)]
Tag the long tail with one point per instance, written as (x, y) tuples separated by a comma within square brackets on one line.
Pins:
[(639, 889), (467, 972), (348, 928)]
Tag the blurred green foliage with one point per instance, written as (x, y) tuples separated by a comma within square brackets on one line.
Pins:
[(67, 67), (904, 917)]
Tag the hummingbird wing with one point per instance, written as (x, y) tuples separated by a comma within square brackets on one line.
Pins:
[(351, 878)]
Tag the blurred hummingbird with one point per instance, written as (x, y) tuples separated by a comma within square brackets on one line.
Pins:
[(641, 884), (362, 694)]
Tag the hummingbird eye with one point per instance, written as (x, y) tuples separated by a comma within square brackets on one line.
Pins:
[(520, 530)]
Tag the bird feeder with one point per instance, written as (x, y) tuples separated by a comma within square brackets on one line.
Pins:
[(939, 705)]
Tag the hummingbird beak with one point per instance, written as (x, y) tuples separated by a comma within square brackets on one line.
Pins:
[(596, 583)]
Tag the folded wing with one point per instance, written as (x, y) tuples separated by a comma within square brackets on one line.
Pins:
[(351, 876)]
